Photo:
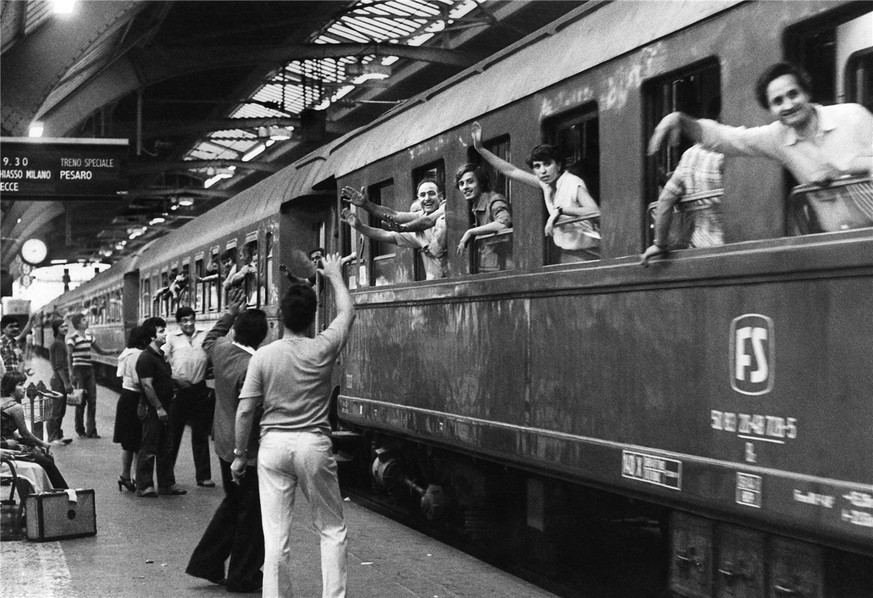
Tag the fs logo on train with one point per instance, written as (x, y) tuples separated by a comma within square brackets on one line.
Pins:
[(752, 354)]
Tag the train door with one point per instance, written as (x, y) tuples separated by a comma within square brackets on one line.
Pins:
[(130, 293), (307, 223)]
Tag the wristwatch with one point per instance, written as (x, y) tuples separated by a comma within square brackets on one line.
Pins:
[(239, 453)]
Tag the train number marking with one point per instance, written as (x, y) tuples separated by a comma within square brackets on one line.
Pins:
[(752, 352), (749, 489), (855, 516), (651, 469)]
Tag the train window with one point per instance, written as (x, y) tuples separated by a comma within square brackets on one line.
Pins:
[(146, 293), (179, 287), (491, 252), (437, 172), (211, 280), (695, 90), (115, 306), (382, 255), (248, 262), (577, 135), (163, 295), (859, 78), (196, 289), (837, 52), (172, 291), (268, 267), (830, 48)]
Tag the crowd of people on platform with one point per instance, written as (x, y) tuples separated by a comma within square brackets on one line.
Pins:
[(268, 417)]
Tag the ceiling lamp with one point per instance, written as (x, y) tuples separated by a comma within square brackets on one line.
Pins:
[(186, 201), (157, 220), (275, 133), (63, 7), (371, 70)]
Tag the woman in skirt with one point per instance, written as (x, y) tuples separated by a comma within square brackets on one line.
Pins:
[(128, 428)]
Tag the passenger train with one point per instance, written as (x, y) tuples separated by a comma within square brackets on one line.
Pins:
[(724, 392)]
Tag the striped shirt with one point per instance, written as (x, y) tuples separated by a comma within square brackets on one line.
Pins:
[(80, 348)]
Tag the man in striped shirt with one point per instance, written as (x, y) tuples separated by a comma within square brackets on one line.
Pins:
[(80, 345)]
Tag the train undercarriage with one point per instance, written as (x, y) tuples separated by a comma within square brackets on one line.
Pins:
[(579, 541)]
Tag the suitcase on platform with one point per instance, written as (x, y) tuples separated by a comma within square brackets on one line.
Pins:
[(61, 514)]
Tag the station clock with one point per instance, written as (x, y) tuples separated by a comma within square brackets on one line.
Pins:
[(34, 251)]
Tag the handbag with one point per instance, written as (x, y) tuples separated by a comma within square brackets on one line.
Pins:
[(11, 514), (76, 397)]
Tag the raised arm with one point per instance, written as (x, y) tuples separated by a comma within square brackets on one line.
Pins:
[(422, 222), (670, 129), (359, 199), (236, 298), (374, 233), (502, 166), (345, 305), (26, 330)]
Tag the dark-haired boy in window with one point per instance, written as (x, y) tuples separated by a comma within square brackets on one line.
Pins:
[(565, 194), (490, 209)]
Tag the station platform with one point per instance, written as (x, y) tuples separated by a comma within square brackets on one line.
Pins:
[(142, 545)]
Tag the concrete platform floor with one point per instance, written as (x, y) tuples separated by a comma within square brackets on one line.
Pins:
[(142, 545)]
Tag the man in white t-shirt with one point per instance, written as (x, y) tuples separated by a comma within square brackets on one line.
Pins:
[(291, 379)]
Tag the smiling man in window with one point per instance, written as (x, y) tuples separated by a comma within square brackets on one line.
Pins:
[(431, 241)]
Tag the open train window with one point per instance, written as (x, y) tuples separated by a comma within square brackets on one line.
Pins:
[(156, 295), (211, 280), (577, 135), (229, 268), (490, 252), (382, 256), (268, 268), (836, 50), (859, 78), (115, 306), (694, 90), (437, 172), (197, 302), (248, 266), (165, 294), (146, 294)]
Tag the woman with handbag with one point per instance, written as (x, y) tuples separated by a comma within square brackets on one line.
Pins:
[(12, 420), (128, 428)]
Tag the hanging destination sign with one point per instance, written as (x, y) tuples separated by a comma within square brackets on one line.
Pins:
[(52, 168)]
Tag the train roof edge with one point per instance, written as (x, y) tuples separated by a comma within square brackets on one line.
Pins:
[(449, 105)]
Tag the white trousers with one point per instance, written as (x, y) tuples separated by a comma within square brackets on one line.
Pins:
[(286, 459)]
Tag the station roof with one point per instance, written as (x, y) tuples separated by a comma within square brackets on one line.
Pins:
[(215, 96)]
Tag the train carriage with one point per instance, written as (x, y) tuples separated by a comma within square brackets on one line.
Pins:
[(728, 384), (722, 392)]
